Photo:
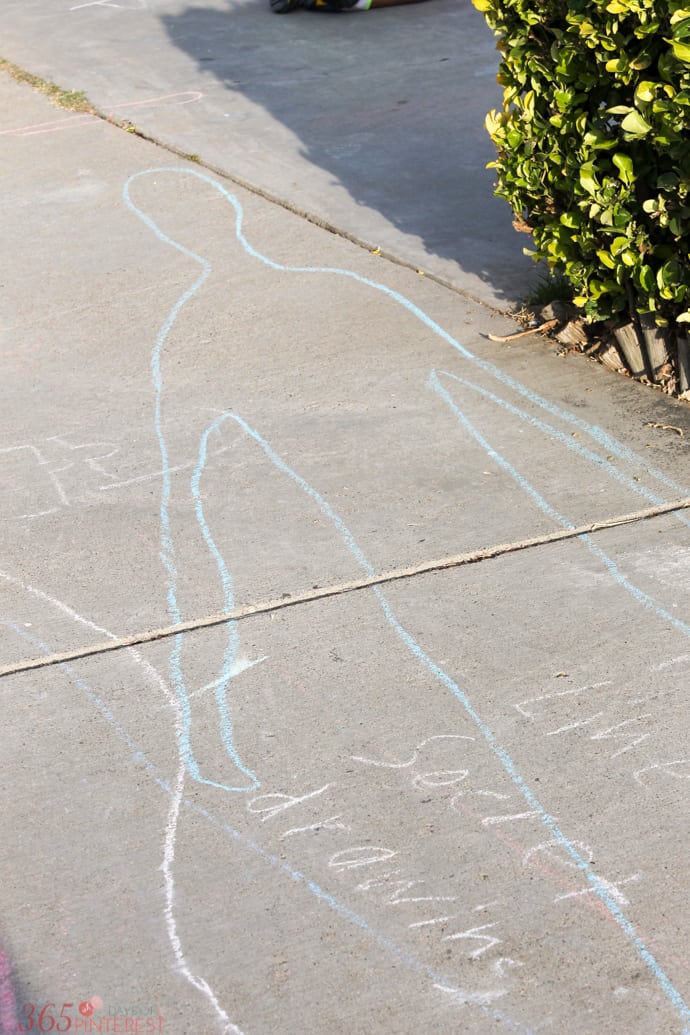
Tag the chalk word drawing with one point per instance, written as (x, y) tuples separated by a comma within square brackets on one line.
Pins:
[(459, 791), (365, 868), (623, 736)]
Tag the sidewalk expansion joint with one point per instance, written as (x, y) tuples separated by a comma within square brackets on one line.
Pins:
[(338, 590)]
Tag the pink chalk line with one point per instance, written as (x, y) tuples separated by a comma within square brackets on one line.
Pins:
[(56, 125), (9, 1023)]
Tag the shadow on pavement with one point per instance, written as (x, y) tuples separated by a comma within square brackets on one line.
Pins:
[(390, 102)]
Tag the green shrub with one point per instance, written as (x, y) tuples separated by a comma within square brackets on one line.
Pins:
[(594, 146)]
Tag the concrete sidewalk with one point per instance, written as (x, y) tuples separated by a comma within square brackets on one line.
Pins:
[(372, 122), (453, 803)]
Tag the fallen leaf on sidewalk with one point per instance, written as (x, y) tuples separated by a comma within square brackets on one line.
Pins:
[(543, 328), (666, 427)]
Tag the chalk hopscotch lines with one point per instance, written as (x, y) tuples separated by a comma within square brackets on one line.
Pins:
[(70, 480), (536, 808)]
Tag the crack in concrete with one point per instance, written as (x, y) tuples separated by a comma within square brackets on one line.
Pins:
[(340, 589)]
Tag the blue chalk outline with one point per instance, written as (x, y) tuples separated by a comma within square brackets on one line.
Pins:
[(593, 431), (611, 444), (230, 654), (167, 548)]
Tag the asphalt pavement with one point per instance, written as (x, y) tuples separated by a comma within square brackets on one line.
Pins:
[(433, 776)]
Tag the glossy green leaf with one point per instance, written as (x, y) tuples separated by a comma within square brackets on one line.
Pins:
[(634, 123), (588, 178), (625, 167), (681, 51), (647, 279)]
